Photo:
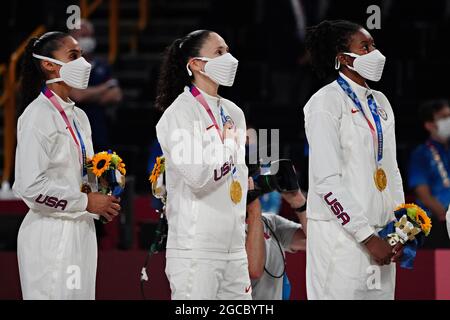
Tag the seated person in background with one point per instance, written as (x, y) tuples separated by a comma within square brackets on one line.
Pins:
[(429, 169), (269, 236), (103, 90)]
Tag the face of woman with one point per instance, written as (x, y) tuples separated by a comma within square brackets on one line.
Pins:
[(214, 46), (69, 50), (360, 43)]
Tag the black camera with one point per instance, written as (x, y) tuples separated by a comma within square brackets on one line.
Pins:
[(279, 176)]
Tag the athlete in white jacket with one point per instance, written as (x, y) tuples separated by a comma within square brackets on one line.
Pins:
[(57, 247), (355, 184), (202, 136)]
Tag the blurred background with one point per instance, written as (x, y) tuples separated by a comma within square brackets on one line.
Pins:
[(273, 83)]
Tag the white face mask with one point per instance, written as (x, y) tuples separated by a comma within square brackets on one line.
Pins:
[(74, 73), (87, 44), (222, 70), (369, 66), (443, 126)]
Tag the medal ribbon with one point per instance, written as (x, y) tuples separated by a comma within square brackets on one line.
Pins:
[(80, 145), (377, 134), (199, 97)]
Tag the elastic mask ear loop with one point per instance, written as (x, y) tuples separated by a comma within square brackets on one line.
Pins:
[(337, 64), (196, 58)]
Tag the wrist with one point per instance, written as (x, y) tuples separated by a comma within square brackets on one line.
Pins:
[(300, 209), (366, 241)]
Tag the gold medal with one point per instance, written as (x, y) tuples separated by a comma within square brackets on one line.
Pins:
[(380, 179), (235, 191)]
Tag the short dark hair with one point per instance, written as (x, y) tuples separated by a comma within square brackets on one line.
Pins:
[(429, 108)]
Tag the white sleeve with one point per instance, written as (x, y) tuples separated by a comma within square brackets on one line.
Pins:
[(181, 140), (448, 221), (323, 131), (32, 183)]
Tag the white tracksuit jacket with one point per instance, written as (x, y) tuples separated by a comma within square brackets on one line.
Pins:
[(203, 221), (57, 247), (341, 183)]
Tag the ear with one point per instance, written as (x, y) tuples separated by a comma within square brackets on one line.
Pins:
[(49, 67), (196, 65), (345, 59)]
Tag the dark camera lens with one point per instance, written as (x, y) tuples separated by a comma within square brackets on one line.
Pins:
[(286, 175)]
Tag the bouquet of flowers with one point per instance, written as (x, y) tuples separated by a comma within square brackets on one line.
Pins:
[(411, 220), (110, 171), (157, 179), (409, 228)]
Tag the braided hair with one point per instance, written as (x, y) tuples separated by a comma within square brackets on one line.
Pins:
[(325, 40)]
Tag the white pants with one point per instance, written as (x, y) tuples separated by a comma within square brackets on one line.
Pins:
[(338, 267), (57, 257), (204, 279)]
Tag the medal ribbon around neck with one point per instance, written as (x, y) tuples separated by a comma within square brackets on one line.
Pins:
[(235, 187), (377, 133), (81, 148)]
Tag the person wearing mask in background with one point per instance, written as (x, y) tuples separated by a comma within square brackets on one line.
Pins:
[(354, 180), (202, 136), (269, 236), (103, 90), (429, 168), (57, 237)]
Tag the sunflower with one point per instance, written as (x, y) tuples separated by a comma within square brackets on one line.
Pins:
[(424, 221), (158, 168), (418, 216), (100, 163)]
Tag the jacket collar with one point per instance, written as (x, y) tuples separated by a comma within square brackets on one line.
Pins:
[(361, 91)]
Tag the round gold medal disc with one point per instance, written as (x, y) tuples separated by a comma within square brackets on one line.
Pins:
[(235, 191), (380, 179)]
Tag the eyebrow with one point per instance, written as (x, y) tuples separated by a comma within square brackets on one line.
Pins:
[(74, 50)]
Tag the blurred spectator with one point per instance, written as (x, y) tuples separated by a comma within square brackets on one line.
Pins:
[(103, 91), (429, 169)]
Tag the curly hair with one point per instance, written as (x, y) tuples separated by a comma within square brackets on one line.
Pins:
[(325, 41), (173, 76), (32, 76)]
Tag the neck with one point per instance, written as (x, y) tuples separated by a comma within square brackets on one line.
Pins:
[(207, 85), (61, 89), (439, 139), (354, 76)]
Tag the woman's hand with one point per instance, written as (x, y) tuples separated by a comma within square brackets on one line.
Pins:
[(103, 205), (229, 132), (397, 250), (379, 250)]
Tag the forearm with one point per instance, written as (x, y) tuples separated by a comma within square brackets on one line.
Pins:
[(255, 246), (303, 220), (88, 95), (423, 193), (433, 205)]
